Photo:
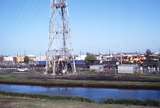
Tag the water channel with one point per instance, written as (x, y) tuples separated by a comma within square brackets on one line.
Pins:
[(96, 94)]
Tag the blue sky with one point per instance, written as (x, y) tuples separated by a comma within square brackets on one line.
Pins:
[(96, 25)]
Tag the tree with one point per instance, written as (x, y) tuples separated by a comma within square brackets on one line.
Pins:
[(26, 59), (90, 58), (148, 54), (150, 60)]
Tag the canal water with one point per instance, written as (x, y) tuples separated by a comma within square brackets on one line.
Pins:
[(96, 94)]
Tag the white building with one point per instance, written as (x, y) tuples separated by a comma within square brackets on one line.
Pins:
[(97, 68), (41, 58), (32, 57), (8, 59), (128, 68), (81, 57)]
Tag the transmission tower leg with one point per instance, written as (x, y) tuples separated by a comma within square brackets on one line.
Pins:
[(74, 66), (46, 71), (54, 68), (47, 65)]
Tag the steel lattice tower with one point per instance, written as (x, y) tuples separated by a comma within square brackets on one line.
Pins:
[(59, 52)]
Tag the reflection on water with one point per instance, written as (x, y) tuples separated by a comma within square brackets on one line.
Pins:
[(97, 94)]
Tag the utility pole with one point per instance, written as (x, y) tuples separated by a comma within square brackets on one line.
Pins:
[(59, 54)]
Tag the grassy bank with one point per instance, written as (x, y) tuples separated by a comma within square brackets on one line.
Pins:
[(86, 83), (76, 101), (42, 80)]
